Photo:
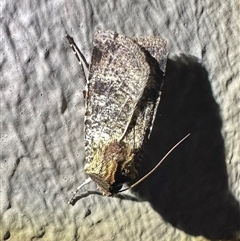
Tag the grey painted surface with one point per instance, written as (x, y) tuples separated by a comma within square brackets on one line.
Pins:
[(194, 195)]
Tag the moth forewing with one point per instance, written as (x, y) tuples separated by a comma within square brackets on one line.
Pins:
[(123, 93), (157, 48)]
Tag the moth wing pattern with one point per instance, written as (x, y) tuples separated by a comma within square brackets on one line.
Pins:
[(109, 92), (157, 47), (122, 95)]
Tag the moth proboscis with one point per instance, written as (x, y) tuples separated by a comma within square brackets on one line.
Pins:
[(123, 90)]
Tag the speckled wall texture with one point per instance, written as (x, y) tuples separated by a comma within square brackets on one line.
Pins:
[(194, 194)]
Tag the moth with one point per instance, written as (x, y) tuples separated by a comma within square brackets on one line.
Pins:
[(123, 91)]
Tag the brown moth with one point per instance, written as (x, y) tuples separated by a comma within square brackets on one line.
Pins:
[(122, 95)]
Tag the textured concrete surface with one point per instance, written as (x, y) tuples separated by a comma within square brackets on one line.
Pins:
[(194, 195)]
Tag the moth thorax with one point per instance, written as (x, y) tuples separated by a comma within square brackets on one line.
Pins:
[(118, 159), (115, 151), (112, 162)]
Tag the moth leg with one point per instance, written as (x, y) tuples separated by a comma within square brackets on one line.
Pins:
[(78, 188), (80, 57)]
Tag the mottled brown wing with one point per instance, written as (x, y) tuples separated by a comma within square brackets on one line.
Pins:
[(157, 48), (139, 130), (123, 94), (117, 78)]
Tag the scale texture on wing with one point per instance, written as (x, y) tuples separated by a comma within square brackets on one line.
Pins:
[(122, 97), (117, 78)]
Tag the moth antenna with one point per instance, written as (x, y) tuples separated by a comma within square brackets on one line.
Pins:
[(88, 180), (159, 163), (79, 55)]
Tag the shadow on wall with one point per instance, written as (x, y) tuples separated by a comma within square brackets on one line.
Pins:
[(190, 188)]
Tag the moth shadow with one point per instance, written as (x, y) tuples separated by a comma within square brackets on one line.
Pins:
[(190, 188)]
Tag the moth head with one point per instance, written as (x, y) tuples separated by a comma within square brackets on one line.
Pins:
[(112, 165)]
